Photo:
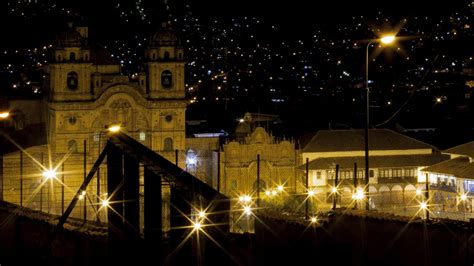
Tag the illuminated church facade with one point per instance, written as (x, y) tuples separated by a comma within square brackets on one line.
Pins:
[(87, 93)]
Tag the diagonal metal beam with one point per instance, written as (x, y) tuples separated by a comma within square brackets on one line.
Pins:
[(73, 203)]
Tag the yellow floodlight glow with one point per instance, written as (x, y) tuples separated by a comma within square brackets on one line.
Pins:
[(274, 192), (358, 195), (463, 197), (202, 214), (114, 128), (197, 226), (334, 190), (311, 193), (105, 203), (387, 39), (4, 115), (247, 210), (418, 192), (280, 188), (268, 193), (314, 220), (245, 198), (49, 174), (423, 206)]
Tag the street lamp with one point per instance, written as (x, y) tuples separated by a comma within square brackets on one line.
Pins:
[(4, 115), (384, 40)]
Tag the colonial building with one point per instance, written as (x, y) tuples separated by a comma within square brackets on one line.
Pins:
[(395, 162), (240, 164), (85, 93), (451, 179)]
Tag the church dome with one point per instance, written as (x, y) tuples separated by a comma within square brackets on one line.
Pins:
[(69, 38), (166, 36)]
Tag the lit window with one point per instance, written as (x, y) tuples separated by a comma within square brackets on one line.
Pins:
[(142, 136)]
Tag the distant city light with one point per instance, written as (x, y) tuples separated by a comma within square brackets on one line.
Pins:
[(202, 214)]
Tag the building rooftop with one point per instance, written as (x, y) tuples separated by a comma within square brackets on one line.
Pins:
[(458, 167), (353, 140), (377, 161), (466, 149)]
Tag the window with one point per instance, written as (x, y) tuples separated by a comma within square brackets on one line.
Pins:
[(166, 79), (97, 83), (360, 173), (86, 57), (385, 173), (233, 184), (167, 55), (168, 144), (397, 172), (72, 120), (371, 173), (59, 58), (180, 56), (142, 136), (168, 118), (72, 146), (72, 82), (72, 56), (318, 175), (96, 136), (409, 172), (153, 56)]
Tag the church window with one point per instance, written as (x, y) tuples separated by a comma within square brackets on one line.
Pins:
[(72, 80), (72, 56), (96, 136), (142, 136), (72, 146), (167, 55), (97, 83), (180, 56), (59, 58), (86, 57), (168, 145), (72, 120), (166, 79), (233, 184), (153, 56), (168, 118)]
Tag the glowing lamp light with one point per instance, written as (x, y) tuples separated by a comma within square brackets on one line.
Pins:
[(202, 214), (105, 203), (314, 220), (280, 188), (418, 191), (423, 205), (197, 226), (359, 194), (439, 100), (192, 160), (274, 192), (241, 120), (268, 193), (49, 174), (333, 189), (387, 39), (245, 198), (114, 128), (311, 193), (463, 197), (247, 210), (4, 115)]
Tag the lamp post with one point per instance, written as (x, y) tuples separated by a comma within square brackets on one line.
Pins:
[(384, 40), (110, 129)]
